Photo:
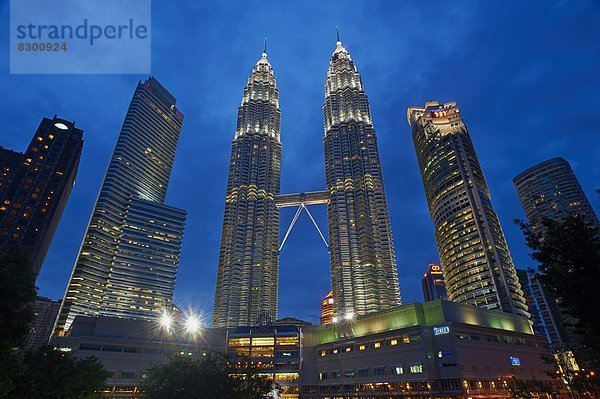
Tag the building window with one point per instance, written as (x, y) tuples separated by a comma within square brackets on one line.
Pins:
[(379, 371), (394, 342), (323, 376), (363, 372), (361, 348), (263, 341), (239, 342), (416, 368), (377, 345), (128, 374), (348, 373), (397, 370), (286, 341), (335, 374)]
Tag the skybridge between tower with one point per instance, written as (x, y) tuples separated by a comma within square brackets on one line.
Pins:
[(302, 201)]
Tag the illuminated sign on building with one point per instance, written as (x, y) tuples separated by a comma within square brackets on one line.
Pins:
[(435, 269), (441, 330), (442, 111), (515, 361)]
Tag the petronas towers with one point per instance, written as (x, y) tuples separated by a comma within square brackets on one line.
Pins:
[(363, 268), (364, 278), (246, 292)]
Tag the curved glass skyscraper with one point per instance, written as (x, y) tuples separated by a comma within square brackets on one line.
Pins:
[(364, 277), (550, 190), (476, 262), (129, 257), (247, 276)]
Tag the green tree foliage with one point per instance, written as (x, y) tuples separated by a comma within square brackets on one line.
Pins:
[(532, 389), (52, 374), (41, 374), (17, 293), (568, 253), (210, 377)]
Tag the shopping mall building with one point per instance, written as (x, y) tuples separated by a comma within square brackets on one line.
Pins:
[(438, 349)]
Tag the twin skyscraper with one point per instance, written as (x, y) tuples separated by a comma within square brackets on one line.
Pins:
[(363, 266), (477, 264)]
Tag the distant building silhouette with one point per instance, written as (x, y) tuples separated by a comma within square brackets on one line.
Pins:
[(327, 308), (433, 284), (45, 311)]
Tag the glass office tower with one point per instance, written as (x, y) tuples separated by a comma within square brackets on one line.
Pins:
[(130, 252), (550, 190), (364, 277), (476, 262), (247, 275)]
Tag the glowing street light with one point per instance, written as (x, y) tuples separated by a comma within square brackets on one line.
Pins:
[(335, 319), (349, 316), (166, 321), (192, 324)]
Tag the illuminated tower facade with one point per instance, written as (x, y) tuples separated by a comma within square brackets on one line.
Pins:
[(247, 275), (35, 186), (364, 277), (476, 262), (129, 257)]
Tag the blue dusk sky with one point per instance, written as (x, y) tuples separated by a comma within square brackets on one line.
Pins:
[(524, 74)]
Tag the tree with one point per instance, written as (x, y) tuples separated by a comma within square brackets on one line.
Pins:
[(17, 293), (210, 377), (532, 389), (45, 373), (53, 374), (568, 252)]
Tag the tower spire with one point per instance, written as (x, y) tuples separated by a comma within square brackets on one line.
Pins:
[(265, 47), (337, 31)]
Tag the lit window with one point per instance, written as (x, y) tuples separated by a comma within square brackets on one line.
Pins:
[(377, 345), (361, 348), (394, 342), (416, 368)]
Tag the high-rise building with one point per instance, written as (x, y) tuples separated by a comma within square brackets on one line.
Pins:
[(247, 276), (550, 190), (546, 318), (475, 259), (433, 284), (364, 277), (45, 311), (35, 186), (130, 252), (327, 308)]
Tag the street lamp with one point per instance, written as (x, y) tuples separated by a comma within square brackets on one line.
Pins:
[(192, 324)]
